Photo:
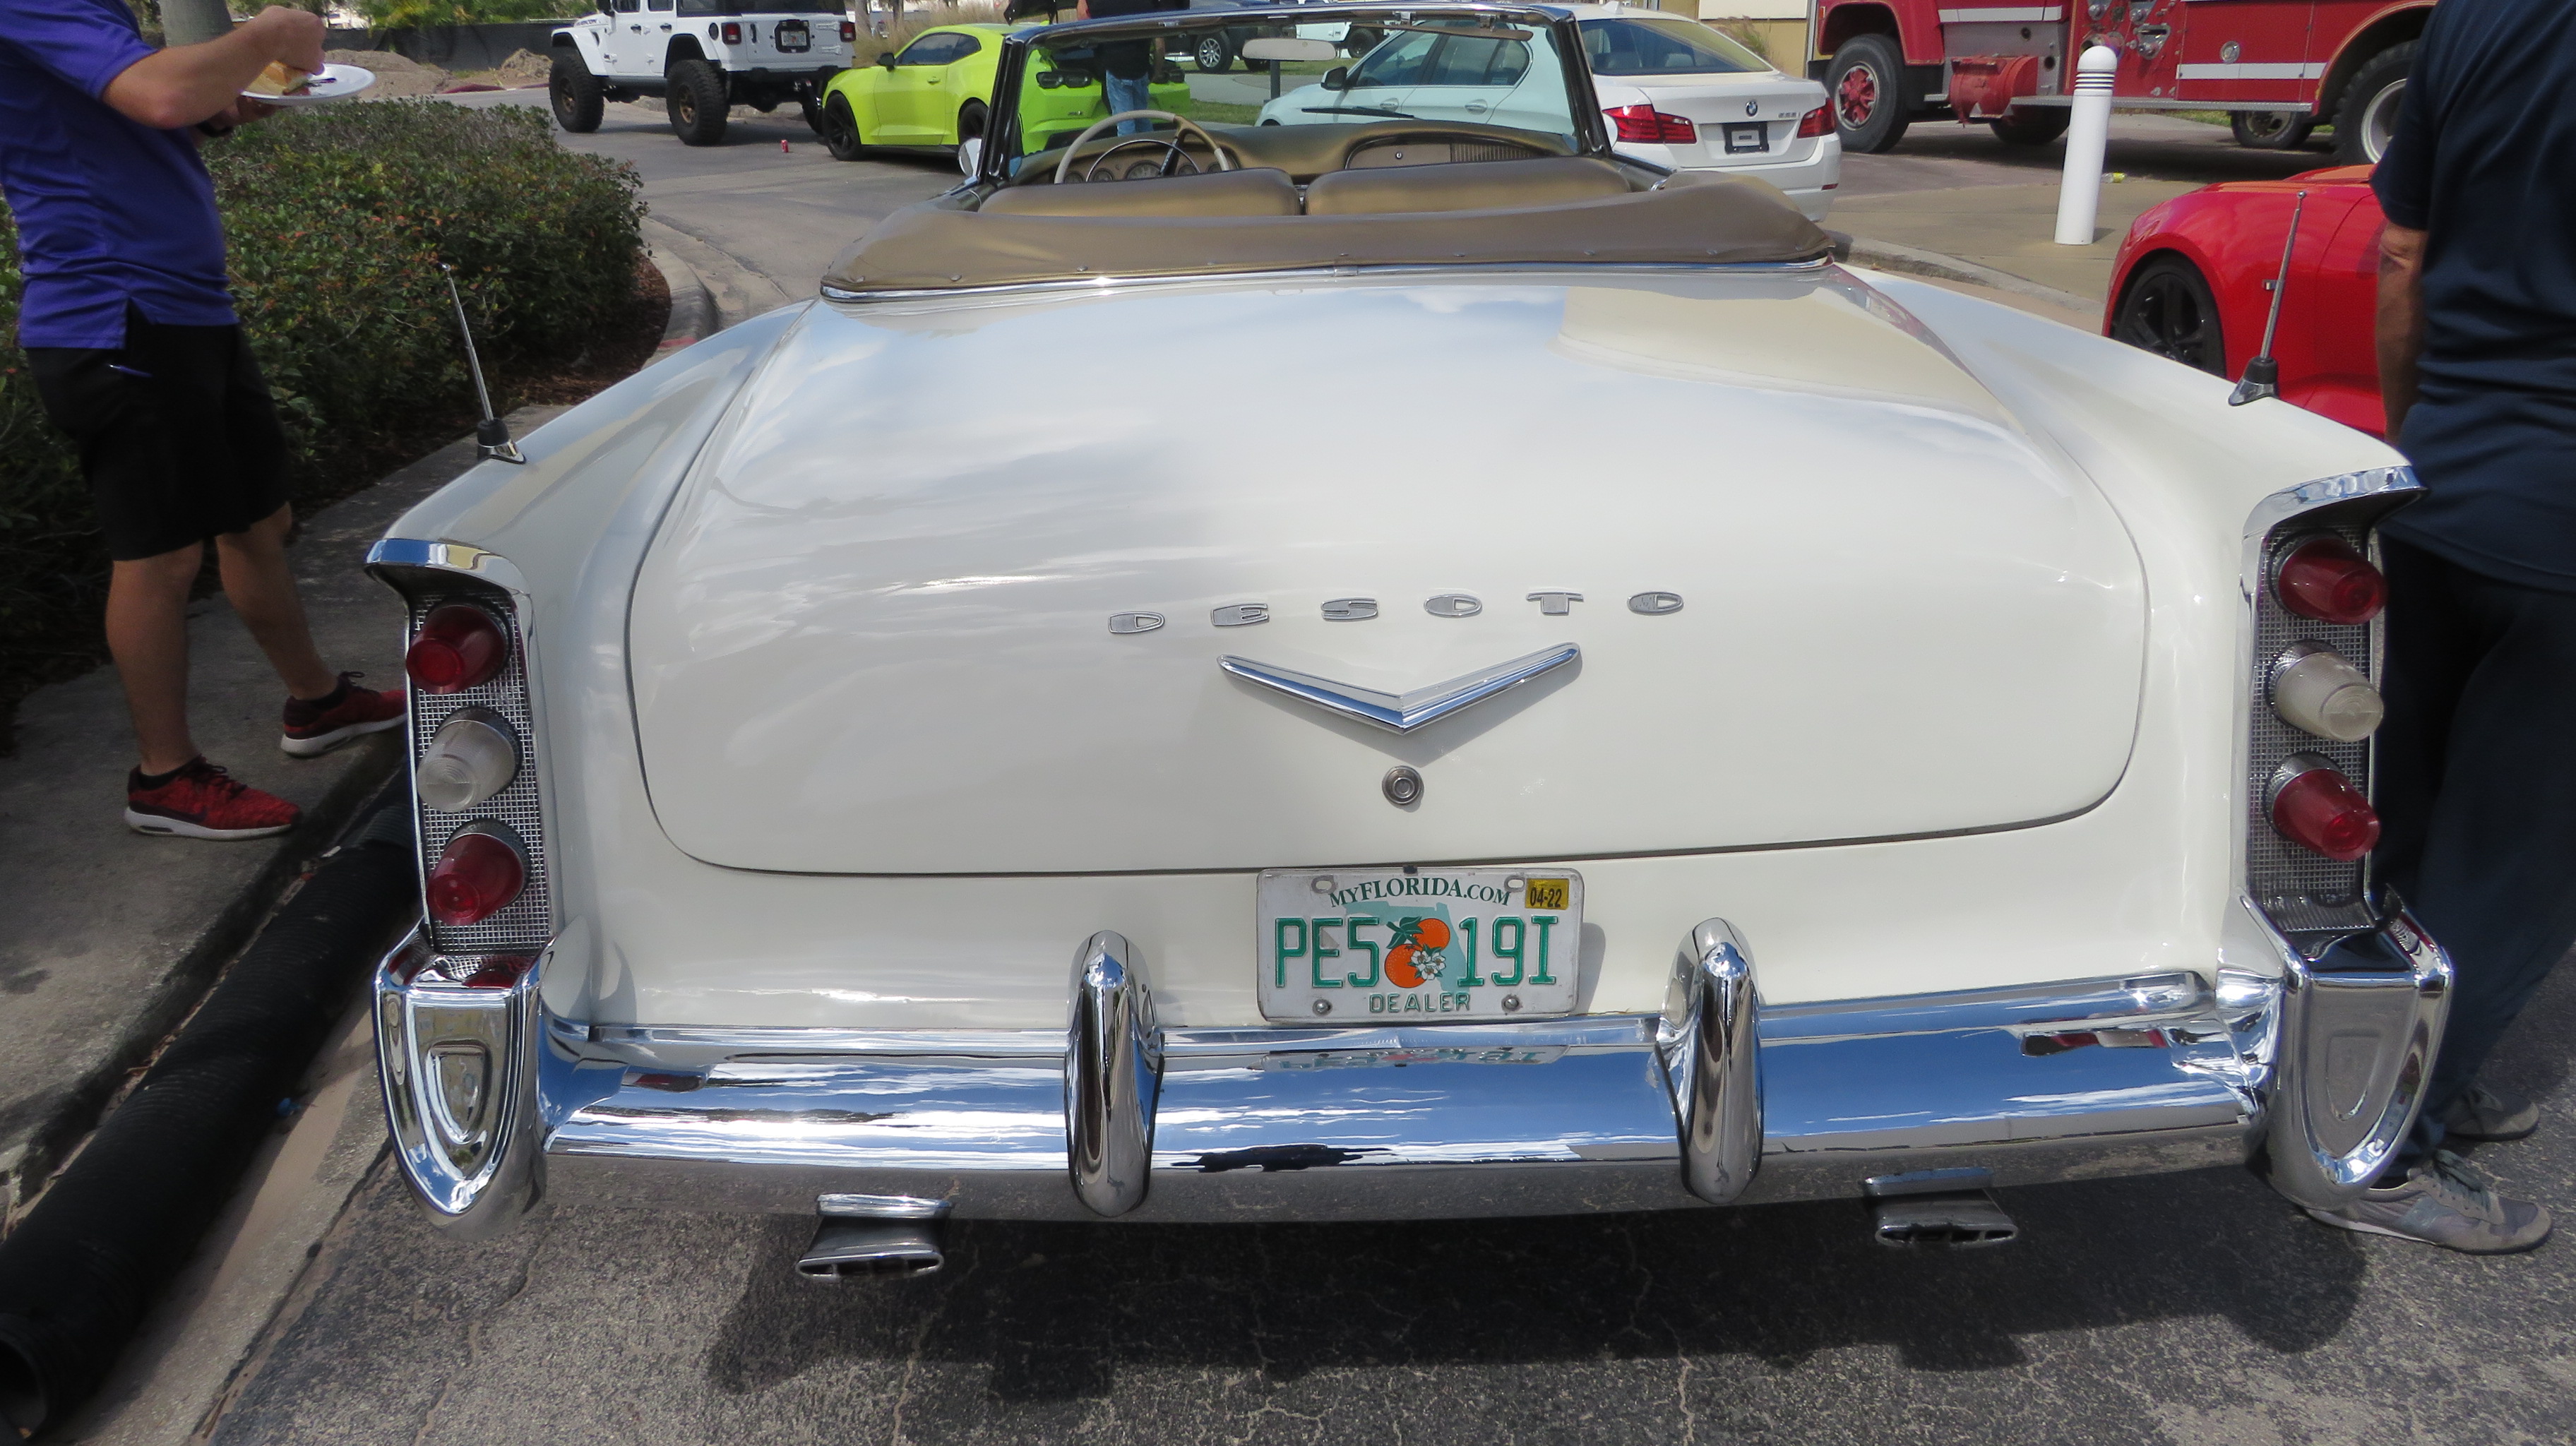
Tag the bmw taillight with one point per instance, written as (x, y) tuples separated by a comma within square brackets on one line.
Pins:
[(458, 646), (1647, 124), (732, 33), (1817, 122), (2327, 578), (849, 32), (481, 871), (2316, 807)]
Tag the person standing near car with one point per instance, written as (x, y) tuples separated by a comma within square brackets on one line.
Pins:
[(128, 326), (2477, 365), (1126, 66)]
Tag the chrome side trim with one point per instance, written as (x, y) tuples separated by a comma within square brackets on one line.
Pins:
[(459, 1066), (1113, 1069), (1402, 712), (475, 562), (2355, 1053), (1712, 1057)]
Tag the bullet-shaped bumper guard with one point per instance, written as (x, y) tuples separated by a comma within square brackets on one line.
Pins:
[(2313, 1074)]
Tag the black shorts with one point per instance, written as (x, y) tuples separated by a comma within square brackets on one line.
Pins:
[(178, 435)]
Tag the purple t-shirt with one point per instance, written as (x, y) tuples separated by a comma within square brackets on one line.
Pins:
[(109, 210)]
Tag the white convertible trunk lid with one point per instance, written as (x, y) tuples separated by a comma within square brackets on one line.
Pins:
[(874, 633)]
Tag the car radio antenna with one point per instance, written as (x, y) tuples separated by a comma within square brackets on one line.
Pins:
[(491, 435), (2263, 374)]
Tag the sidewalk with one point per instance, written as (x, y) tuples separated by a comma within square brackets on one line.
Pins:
[(2008, 228), (110, 937)]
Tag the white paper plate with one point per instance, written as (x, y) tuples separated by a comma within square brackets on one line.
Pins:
[(335, 82)]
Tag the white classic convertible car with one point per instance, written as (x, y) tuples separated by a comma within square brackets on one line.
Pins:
[(1446, 672)]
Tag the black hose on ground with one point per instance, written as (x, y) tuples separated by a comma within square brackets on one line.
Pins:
[(78, 1274)]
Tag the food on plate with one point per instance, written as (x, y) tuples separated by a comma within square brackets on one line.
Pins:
[(280, 78), (1407, 664)]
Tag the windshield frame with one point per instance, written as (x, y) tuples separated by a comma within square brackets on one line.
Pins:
[(1591, 132)]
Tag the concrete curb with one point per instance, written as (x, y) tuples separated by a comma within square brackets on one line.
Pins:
[(693, 307), (1890, 256), (739, 293)]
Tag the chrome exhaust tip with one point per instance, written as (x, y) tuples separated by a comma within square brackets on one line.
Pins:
[(872, 1249), (1939, 1209), (1960, 1221)]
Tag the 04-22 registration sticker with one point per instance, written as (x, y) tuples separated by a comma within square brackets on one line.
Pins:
[(1418, 946)]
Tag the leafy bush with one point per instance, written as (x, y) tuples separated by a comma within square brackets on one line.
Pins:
[(337, 218)]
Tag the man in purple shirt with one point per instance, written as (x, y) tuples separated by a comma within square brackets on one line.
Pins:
[(129, 329)]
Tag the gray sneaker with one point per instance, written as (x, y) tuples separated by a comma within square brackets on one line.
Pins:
[(2447, 1203), (2490, 1114)]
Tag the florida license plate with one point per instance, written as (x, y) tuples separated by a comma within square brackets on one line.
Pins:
[(1418, 946), (793, 37), (1742, 138)]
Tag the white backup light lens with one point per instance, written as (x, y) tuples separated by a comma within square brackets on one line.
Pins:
[(474, 756), (2315, 690)]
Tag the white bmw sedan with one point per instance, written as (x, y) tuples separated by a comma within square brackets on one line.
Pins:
[(1677, 94)]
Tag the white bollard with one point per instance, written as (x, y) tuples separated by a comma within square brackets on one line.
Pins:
[(2080, 195)]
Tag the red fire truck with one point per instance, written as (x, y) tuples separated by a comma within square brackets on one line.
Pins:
[(2283, 67)]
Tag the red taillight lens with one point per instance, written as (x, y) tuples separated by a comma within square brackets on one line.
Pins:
[(458, 646), (1817, 122), (476, 876), (2326, 579), (1645, 123), (2319, 810), (849, 32), (732, 34)]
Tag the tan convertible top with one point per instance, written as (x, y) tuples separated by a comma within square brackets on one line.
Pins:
[(1691, 219)]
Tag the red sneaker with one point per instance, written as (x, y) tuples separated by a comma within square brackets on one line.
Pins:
[(315, 728), (203, 801)]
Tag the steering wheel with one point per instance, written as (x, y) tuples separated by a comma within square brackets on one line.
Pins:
[(1065, 167)]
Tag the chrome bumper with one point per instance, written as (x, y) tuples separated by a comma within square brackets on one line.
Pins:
[(2313, 1075)]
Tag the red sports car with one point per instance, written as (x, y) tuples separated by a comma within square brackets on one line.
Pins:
[(2194, 281)]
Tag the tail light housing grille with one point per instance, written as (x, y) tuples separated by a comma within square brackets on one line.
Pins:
[(2313, 898), (429, 580)]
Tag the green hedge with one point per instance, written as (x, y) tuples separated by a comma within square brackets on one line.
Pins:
[(337, 217)]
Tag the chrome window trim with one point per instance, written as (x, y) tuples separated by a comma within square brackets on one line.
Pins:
[(1310, 274)]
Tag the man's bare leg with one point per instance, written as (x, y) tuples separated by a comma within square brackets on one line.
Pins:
[(261, 589), (147, 631)]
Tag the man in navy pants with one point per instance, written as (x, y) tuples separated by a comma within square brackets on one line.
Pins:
[(2477, 363), (129, 330)]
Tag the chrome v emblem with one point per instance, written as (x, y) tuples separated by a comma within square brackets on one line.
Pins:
[(1402, 712)]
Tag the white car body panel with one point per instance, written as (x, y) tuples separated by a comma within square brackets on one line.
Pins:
[(2144, 880), (870, 641)]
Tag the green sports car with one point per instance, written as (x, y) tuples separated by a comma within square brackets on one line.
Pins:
[(937, 92)]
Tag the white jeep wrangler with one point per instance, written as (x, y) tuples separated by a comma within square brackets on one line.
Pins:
[(702, 56)]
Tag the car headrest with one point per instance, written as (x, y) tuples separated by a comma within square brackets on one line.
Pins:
[(1261, 192)]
